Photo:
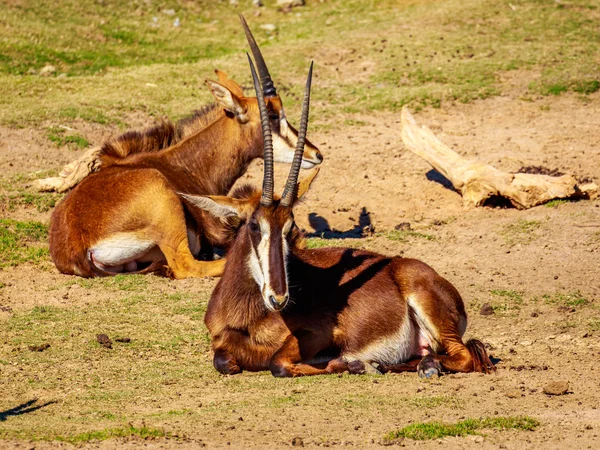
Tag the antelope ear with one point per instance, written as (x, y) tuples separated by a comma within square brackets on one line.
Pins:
[(218, 205), (229, 83), (228, 100), (305, 183)]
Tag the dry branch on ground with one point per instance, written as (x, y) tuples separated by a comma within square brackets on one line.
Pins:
[(72, 173), (478, 182)]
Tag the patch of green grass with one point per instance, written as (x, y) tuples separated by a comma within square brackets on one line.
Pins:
[(514, 296), (59, 137), (119, 282), (403, 236), (594, 324), (423, 54), (555, 203), (355, 123), (508, 301), (437, 430), (22, 242), (566, 299), (586, 87), (43, 202), (521, 232), (317, 242), (554, 89), (142, 432), (435, 401)]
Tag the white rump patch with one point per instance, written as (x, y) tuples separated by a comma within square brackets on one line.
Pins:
[(395, 348), (427, 332), (121, 248)]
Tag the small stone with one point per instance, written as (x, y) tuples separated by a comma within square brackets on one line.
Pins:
[(290, 3), (268, 27), (169, 12), (124, 340), (486, 310), (47, 70), (403, 226), (514, 393), (297, 442), (104, 340), (39, 348), (556, 388), (535, 314)]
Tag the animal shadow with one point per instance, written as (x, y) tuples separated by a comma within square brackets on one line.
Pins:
[(323, 230), (434, 175), (23, 408)]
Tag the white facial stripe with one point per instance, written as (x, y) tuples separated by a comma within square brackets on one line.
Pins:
[(286, 228), (259, 258), (283, 152)]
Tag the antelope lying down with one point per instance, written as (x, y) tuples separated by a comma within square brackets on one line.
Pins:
[(128, 218), (283, 308)]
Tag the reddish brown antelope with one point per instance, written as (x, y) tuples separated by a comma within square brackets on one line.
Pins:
[(128, 217), (283, 308)]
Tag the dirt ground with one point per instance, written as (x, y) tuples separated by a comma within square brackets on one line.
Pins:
[(539, 270)]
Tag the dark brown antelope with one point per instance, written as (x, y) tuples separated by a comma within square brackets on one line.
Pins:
[(127, 217), (297, 311)]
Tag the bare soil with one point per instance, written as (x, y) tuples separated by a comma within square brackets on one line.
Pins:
[(528, 265)]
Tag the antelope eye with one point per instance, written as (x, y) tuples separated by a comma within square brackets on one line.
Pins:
[(273, 117), (254, 227)]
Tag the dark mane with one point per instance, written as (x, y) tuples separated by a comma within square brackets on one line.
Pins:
[(160, 136), (197, 120), (245, 192)]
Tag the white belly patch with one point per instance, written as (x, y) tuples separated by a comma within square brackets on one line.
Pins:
[(121, 248), (392, 349)]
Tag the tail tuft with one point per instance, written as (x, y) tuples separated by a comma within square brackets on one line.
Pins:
[(481, 360)]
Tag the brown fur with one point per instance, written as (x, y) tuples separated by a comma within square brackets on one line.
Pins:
[(344, 303), (135, 192)]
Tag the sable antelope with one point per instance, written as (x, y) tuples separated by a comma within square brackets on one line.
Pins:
[(284, 308), (127, 217)]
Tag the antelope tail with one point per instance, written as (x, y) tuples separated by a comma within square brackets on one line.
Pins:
[(481, 360)]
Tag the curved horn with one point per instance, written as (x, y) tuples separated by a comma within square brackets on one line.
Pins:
[(267, 193), (290, 191), (265, 78)]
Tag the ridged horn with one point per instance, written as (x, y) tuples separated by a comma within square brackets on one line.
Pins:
[(290, 191), (268, 87), (267, 192)]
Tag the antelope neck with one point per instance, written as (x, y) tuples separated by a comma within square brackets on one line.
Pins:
[(215, 167)]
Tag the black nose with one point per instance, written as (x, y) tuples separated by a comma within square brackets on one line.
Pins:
[(319, 157), (277, 305)]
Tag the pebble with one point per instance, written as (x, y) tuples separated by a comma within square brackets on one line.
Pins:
[(268, 27), (557, 388), (404, 226), (104, 340), (39, 348), (514, 393), (297, 442), (486, 310), (47, 70)]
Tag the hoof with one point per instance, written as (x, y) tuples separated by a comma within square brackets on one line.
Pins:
[(358, 367), (373, 369), (429, 367)]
